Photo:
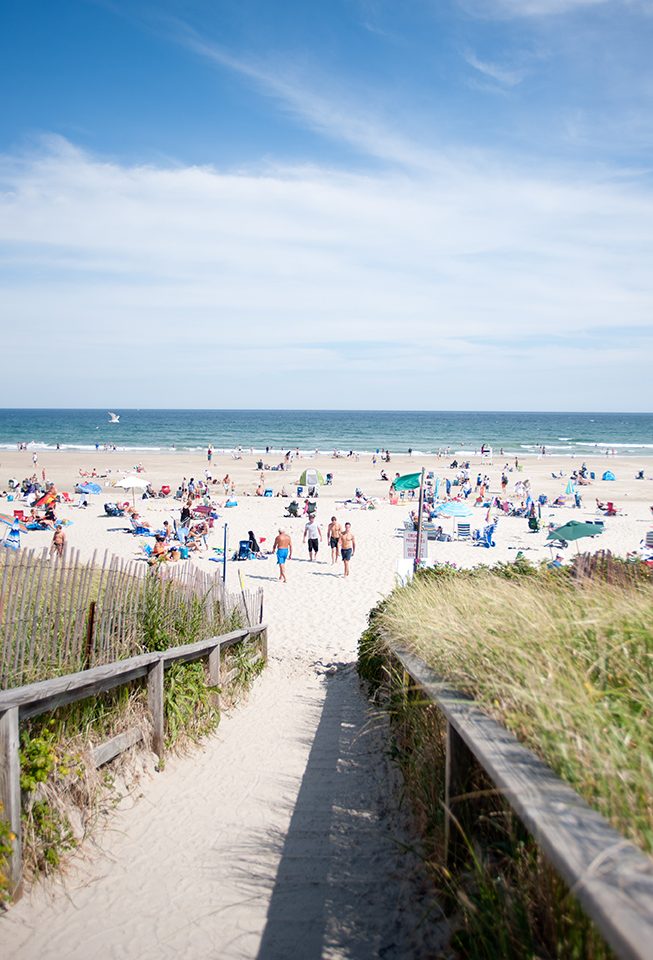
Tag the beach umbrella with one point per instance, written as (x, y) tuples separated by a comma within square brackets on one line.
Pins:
[(12, 540), (10, 521), (410, 481), (311, 478), (453, 509), (133, 483), (576, 530)]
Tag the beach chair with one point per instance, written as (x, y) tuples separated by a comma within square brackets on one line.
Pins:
[(66, 497), (267, 492), (483, 538), (647, 542), (140, 530), (463, 531), (244, 552), (19, 514)]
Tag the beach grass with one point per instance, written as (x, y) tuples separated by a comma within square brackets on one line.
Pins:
[(566, 663)]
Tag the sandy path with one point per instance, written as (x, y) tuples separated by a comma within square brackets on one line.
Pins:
[(278, 838)]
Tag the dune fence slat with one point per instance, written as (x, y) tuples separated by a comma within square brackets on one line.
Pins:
[(61, 615)]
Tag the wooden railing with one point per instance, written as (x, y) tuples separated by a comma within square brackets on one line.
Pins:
[(610, 876), (20, 703)]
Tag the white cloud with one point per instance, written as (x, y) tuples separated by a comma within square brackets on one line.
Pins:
[(334, 282), (506, 76), (532, 8), (335, 115)]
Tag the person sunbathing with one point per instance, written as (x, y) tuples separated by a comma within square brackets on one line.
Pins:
[(138, 521)]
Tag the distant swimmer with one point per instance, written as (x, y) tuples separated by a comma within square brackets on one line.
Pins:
[(347, 547), (283, 547)]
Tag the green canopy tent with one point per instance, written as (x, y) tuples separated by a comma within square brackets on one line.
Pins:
[(410, 481)]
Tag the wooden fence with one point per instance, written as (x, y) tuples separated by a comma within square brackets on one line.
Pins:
[(62, 615), (611, 877), (20, 703)]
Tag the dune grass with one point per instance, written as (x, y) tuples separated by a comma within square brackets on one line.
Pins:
[(566, 662), (566, 665)]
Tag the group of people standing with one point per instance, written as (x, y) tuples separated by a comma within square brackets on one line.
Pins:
[(341, 542)]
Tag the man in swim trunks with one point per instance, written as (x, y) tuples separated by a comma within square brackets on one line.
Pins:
[(347, 547), (334, 532), (283, 546), (313, 531)]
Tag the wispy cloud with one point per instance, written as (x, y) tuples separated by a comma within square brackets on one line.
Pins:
[(307, 264), (505, 76), (337, 115), (533, 8)]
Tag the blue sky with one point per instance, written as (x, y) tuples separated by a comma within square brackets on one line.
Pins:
[(352, 203)]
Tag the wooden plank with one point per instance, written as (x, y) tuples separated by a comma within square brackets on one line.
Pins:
[(611, 877), (264, 644), (230, 676), (202, 647), (155, 705), (10, 794), (116, 745), (35, 698)]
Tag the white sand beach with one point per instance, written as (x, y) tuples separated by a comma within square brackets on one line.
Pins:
[(278, 836)]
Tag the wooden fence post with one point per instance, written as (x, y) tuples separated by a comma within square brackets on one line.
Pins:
[(214, 673), (459, 766), (10, 795), (264, 644), (155, 705)]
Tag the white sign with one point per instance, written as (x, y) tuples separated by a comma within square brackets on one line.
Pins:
[(410, 544)]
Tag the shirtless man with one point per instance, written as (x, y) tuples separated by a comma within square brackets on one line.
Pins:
[(283, 546), (347, 547), (334, 532)]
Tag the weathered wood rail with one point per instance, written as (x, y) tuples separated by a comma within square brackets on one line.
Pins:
[(610, 876), (20, 703)]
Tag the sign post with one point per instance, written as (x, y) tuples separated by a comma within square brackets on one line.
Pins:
[(420, 533)]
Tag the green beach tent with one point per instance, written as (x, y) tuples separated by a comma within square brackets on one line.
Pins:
[(311, 478)]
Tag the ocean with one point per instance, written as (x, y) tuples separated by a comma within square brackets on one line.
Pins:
[(364, 431)]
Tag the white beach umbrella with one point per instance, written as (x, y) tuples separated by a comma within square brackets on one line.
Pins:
[(132, 482)]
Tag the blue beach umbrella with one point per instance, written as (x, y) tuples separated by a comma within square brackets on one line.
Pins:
[(453, 509)]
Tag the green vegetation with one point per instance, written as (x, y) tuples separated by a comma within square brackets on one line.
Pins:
[(564, 661), (62, 792)]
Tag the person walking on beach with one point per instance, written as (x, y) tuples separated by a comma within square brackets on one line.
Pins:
[(283, 547), (334, 532), (347, 547), (58, 544), (313, 531)]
